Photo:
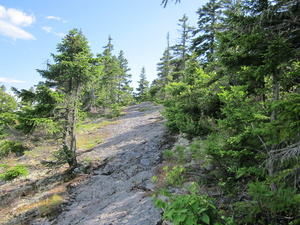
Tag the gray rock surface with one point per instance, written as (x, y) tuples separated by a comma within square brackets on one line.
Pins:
[(120, 192)]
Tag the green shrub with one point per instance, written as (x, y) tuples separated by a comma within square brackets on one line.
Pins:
[(13, 173), (8, 146), (178, 154), (267, 206), (175, 175), (114, 111), (169, 154), (190, 209)]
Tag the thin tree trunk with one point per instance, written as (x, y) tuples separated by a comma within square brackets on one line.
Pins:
[(271, 166), (72, 131)]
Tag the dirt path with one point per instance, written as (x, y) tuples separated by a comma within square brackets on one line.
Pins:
[(120, 191)]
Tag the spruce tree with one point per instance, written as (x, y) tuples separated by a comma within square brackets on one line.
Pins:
[(143, 88), (69, 75), (209, 23), (182, 49), (124, 89), (111, 70), (8, 105), (164, 69)]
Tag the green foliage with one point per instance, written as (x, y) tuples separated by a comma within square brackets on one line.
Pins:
[(189, 209), (63, 155), (246, 109), (209, 22), (114, 111), (197, 150), (39, 105), (8, 146), (179, 154), (12, 173), (175, 176), (287, 123), (8, 106), (50, 205), (169, 155), (143, 89), (189, 109), (269, 207)]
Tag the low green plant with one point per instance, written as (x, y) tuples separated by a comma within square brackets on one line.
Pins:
[(189, 209), (175, 176), (87, 159), (56, 200), (197, 150), (168, 154), (50, 205), (178, 155), (12, 173), (154, 179), (144, 109)]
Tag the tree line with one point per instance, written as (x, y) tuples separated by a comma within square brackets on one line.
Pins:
[(77, 84)]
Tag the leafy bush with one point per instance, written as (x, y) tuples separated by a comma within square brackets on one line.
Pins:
[(13, 173), (175, 175), (190, 209)]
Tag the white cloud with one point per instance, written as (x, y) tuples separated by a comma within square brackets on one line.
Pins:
[(11, 21), (53, 18), (56, 18), (14, 32), (52, 31), (47, 29), (8, 80)]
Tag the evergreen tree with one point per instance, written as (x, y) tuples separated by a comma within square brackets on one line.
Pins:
[(260, 51), (182, 49), (106, 61), (111, 70), (210, 21), (93, 95), (8, 106), (164, 69), (124, 90), (247, 108), (69, 75), (39, 112), (143, 88)]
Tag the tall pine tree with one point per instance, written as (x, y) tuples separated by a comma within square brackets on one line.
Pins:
[(182, 49), (209, 22), (69, 75), (164, 69), (124, 89)]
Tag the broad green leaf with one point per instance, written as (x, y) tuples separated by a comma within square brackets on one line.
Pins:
[(205, 218)]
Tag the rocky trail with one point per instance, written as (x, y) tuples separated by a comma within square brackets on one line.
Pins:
[(120, 190)]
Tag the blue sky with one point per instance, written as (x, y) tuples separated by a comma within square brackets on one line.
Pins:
[(30, 31)]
